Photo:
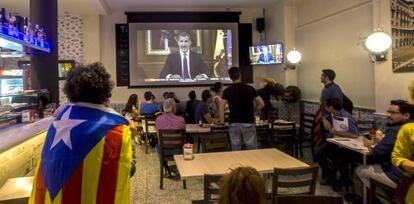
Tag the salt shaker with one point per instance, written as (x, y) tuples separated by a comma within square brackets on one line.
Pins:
[(188, 151)]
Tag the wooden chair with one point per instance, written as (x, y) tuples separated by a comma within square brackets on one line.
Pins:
[(218, 140), (283, 136), (149, 122), (308, 199), (262, 132), (301, 177), (307, 121), (169, 140), (212, 185), (364, 126), (374, 185)]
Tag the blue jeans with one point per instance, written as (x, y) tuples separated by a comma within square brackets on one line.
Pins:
[(247, 131)]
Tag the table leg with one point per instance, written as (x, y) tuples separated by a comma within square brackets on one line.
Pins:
[(364, 188)]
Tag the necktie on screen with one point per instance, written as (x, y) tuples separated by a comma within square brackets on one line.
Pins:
[(266, 59), (185, 71)]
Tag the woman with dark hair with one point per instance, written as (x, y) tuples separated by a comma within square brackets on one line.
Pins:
[(242, 185), (288, 107), (88, 144), (217, 88), (131, 111), (268, 93)]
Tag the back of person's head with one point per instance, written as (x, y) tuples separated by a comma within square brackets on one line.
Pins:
[(335, 103), (88, 83), (329, 73), (216, 87), (165, 95), (148, 96), (173, 96), (279, 89), (169, 105), (192, 95), (242, 186), (205, 95), (234, 73)]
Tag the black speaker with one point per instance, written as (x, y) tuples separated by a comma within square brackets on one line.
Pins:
[(260, 26)]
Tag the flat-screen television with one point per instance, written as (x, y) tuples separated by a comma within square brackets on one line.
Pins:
[(177, 54), (266, 54)]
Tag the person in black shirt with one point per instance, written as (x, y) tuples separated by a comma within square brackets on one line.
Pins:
[(191, 106), (240, 98)]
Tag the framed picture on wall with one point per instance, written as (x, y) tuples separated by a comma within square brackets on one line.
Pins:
[(163, 42), (402, 26)]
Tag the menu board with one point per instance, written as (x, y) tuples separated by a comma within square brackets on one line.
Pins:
[(122, 54)]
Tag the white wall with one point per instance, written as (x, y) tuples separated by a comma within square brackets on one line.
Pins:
[(388, 85), (329, 34), (91, 38), (107, 47)]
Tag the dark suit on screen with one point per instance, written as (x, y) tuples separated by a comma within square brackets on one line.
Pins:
[(173, 65), (262, 58)]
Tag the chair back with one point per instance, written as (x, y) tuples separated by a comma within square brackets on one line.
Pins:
[(308, 199), (283, 135), (212, 185), (149, 122), (298, 178), (218, 140), (262, 132), (170, 139), (383, 194), (364, 126), (307, 124)]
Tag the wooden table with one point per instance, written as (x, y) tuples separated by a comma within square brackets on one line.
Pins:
[(356, 145), (16, 190), (263, 160)]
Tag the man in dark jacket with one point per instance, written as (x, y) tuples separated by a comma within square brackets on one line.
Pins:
[(380, 167)]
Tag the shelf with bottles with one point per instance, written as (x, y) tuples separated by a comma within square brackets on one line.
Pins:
[(18, 30)]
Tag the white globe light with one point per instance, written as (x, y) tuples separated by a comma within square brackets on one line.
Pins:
[(294, 56), (378, 42)]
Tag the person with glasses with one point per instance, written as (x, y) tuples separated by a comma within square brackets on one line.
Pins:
[(379, 165)]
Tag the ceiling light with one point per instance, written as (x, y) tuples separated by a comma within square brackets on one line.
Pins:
[(378, 41), (294, 56)]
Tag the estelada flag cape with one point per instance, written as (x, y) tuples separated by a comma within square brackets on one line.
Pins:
[(86, 158)]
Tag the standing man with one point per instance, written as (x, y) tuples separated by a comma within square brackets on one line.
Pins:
[(240, 98), (331, 89), (184, 64)]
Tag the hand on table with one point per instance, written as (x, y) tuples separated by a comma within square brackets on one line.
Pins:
[(367, 143)]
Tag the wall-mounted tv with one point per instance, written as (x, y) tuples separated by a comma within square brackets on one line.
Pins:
[(266, 54)]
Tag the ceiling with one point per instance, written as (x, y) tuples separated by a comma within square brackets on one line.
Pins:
[(163, 4), (85, 7)]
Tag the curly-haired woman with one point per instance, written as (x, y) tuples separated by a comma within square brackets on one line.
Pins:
[(87, 154)]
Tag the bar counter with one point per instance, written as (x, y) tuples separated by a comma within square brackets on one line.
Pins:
[(20, 148)]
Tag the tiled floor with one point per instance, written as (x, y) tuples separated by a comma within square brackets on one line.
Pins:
[(145, 184)]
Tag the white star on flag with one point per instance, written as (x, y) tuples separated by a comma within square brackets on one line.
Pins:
[(63, 128)]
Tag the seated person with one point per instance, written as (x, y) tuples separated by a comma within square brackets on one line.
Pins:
[(380, 167), (265, 56), (190, 107), (130, 111), (179, 109), (242, 185), (168, 120), (202, 112), (327, 149), (184, 64), (403, 158), (149, 107)]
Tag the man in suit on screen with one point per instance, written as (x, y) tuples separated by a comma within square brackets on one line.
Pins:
[(265, 56), (184, 64)]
